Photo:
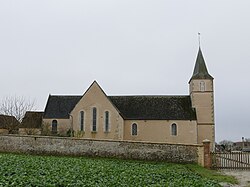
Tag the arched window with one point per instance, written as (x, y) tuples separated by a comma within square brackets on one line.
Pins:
[(106, 128), (94, 120), (134, 129), (81, 121), (54, 126), (174, 129), (202, 86)]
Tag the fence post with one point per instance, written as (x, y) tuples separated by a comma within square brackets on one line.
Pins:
[(207, 155)]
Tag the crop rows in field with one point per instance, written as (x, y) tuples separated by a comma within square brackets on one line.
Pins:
[(26, 170)]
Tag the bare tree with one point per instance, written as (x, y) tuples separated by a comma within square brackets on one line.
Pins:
[(226, 144), (247, 139), (16, 107)]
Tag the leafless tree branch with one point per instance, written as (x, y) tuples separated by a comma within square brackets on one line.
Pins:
[(17, 107)]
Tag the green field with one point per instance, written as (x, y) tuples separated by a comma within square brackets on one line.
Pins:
[(27, 170)]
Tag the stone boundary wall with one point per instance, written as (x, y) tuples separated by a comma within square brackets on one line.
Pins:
[(47, 145)]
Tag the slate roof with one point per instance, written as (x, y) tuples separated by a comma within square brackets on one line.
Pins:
[(200, 69), (154, 107), (130, 107), (60, 106), (32, 119)]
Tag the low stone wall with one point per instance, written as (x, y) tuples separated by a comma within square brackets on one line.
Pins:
[(177, 153)]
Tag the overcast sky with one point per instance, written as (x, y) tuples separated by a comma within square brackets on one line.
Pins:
[(130, 47)]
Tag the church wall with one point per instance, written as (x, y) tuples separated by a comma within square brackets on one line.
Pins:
[(205, 115), (203, 102), (195, 85), (160, 131), (206, 131), (95, 97), (63, 125)]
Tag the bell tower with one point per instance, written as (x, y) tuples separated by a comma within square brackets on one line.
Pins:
[(202, 97)]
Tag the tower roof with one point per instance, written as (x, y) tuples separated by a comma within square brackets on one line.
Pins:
[(200, 69)]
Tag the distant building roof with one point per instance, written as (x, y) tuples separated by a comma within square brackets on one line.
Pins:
[(130, 107), (246, 149), (240, 144), (32, 119), (6, 121)]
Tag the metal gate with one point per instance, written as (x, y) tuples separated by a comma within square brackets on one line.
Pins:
[(232, 160)]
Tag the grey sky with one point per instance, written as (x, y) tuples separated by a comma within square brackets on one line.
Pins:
[(129, 47)]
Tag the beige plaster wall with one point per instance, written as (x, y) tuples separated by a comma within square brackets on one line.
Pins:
[(204, 115), (160, 131), (203, 102), (95, 97), (195, 85), (63, 125), (206, 131)]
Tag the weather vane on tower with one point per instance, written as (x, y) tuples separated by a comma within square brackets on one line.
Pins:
[(199, 39)]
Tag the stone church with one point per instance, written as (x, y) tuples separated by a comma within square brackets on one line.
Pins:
[(185, 119)]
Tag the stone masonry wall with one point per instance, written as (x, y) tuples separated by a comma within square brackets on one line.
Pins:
[(178, 153)]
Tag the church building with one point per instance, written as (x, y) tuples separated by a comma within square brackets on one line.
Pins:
[(185, 119)]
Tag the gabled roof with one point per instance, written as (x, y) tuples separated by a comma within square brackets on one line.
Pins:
[(6, 121), (102, 91), (200, 69), (59, 106), (130, 107), (32, 119), (154, 107)]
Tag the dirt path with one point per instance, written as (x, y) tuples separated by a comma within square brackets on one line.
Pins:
[(242, 176)]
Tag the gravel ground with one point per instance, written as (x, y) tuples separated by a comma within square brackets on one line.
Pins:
[(242, 176)]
